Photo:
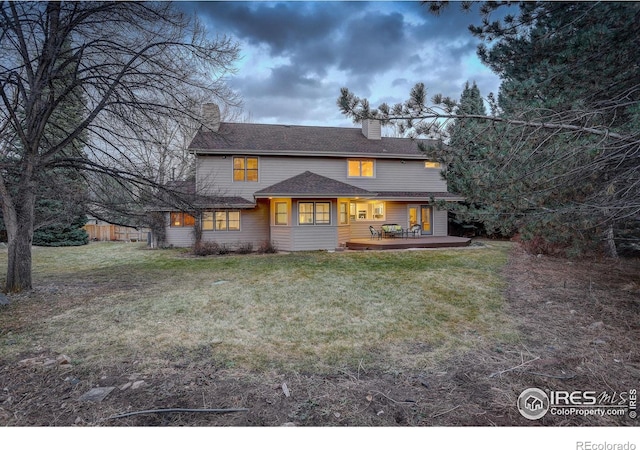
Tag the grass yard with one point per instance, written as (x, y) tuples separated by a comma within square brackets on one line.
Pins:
[(373, 338), (313, 311)]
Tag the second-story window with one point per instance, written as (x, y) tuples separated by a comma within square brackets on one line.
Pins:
[(361, 168), (245, 168)]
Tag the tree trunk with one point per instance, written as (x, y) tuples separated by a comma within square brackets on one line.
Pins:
[(611, 243), (19, 218)]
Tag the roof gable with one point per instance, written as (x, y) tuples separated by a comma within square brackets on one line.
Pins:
[(263, 139), (309, 183)]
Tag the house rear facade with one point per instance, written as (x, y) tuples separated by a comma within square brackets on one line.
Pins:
[(307, 188)]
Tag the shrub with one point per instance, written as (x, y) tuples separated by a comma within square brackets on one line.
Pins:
[(539, 245), (244, 248), (205, 248), (62, 235), (268, 247)]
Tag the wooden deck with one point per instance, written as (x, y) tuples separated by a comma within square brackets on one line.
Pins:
[(401, 243)]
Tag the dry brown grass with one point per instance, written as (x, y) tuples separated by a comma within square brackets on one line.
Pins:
[(459, 353), (309, 311)]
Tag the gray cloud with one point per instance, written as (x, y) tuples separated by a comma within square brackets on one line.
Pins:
[(373, 48)]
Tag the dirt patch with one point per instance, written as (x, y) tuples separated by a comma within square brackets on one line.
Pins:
[(579, 324)]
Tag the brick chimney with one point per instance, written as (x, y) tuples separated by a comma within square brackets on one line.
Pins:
[(372, 129), (211, 117)]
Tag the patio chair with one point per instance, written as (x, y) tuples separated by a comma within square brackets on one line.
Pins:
[(415, 230), (374, 233)]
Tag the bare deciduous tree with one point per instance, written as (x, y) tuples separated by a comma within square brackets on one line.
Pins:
[(134, 64)]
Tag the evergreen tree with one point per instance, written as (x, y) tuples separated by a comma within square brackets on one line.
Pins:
[(558, 159), (61, 210), (576, 63)]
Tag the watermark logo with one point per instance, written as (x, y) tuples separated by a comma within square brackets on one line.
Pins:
[(533, 403)]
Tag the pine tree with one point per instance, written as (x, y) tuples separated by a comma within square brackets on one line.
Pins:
[(558, 158), (60, 210)]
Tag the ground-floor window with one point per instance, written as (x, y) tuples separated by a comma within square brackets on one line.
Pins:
[(181, 219), (373, 210), (227, 220), (344, 213), (221, 220), (314, 213), (281, 213), (207, 220)]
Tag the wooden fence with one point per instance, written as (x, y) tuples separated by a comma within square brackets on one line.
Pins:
[(109, 232)]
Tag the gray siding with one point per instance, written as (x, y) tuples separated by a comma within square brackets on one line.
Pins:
[(178, 236), (254, 228), (323, 237), (440, 222), (281, 237), (344, 234), (215, 175)]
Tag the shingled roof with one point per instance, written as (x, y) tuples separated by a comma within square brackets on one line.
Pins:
[(312, 184), (263, 139), (397, 195), (181, 195)]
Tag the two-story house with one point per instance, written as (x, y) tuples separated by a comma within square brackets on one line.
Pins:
[(308, 188)]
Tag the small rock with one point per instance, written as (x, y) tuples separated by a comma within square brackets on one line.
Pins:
[(126, 386), (50, 362), (63, 360), (78, 420), (29, 362), (598, 342), (96, 394), (336, 415), (137, 384), (573, 311), (288, 424), (285, 389), (4, 300), (596, 325)]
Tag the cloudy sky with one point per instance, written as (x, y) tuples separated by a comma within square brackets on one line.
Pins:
[(297, 55)]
